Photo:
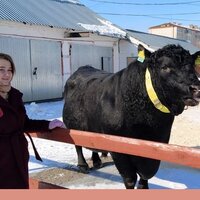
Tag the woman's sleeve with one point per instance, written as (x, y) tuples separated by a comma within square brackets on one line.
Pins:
[(28, 124), (35, 125)]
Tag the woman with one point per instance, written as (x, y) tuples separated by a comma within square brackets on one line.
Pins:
[(14, 122)]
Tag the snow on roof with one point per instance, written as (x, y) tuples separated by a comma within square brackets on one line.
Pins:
[(105, 29)]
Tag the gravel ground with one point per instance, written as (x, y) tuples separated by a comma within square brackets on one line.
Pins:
[(186, 128)]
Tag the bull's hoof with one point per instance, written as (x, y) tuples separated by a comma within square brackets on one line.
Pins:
[(142, 184), (104, 154), (84, 169), (130, 182), (98, 165)]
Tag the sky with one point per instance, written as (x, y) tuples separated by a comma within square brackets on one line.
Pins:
[(62, 156), (139, 15)]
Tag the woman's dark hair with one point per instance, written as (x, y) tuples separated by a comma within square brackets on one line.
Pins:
[(8, 58)]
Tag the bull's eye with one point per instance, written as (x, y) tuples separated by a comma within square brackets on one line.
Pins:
[(165, 69)]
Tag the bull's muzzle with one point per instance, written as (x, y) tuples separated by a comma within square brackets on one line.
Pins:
[(195, 90), (195, 96)]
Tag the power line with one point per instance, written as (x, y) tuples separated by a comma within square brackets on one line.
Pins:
[(189, 20), (146, 4), (151, 16), (138, 15), (155, 16)]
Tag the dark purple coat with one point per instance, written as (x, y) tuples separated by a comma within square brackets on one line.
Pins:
[(14, 153)]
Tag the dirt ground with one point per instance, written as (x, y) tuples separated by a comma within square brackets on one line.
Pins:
[(70, 176), (186, 128), (185, 132)]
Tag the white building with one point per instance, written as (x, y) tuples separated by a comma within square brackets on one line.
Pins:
[(174, 30), (50, 39)]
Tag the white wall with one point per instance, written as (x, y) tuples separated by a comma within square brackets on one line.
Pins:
[(20, 30), (32, 31), (166, 31), (121, 48), (178, 32), (126, 49)]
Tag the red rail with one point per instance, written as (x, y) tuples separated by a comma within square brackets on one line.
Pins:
[(167, 152)]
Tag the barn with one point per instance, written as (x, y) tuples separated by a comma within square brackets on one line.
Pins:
[(48, 47), (50, 39)]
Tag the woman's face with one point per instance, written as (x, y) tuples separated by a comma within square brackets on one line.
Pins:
[(6, 73)]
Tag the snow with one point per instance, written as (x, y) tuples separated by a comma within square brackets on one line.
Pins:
[(63, 156), (106, 29), (72, 1)]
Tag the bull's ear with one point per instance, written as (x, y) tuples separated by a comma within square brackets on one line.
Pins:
[(196, 57), (147, 53), (143, 53)]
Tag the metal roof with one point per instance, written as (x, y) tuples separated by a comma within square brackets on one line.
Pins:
[(156, 41), (57, 13), (69, 14)]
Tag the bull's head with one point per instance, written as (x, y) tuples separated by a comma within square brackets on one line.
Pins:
[(173, 70)]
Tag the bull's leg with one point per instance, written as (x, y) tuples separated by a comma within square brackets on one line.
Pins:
[(143, 184), (96, 160), (130, 182), (82, 164), (146, 169), (104, 154), (126, 169)]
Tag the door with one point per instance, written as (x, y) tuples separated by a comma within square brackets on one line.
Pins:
[(38, 67), (46, 69)]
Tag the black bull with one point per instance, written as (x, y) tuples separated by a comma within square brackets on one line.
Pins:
[(139, 101)]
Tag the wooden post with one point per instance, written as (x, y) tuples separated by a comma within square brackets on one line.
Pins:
[(35, 184)]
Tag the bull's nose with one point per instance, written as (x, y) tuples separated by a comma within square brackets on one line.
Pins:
[(194, 89)]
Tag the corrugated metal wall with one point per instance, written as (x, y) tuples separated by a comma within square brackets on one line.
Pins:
[(28, 54), (19, 50), (46, 63), (91, 55)]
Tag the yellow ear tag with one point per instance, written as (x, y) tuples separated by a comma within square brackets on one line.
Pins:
[(141, 56), (197, 61)]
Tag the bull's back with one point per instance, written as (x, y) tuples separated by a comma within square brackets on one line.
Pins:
[(79, 89), (83, 78)]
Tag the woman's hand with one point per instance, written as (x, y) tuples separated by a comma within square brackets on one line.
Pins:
[(56, 123)]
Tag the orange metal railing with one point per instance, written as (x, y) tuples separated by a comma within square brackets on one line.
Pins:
[(166, 152)]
